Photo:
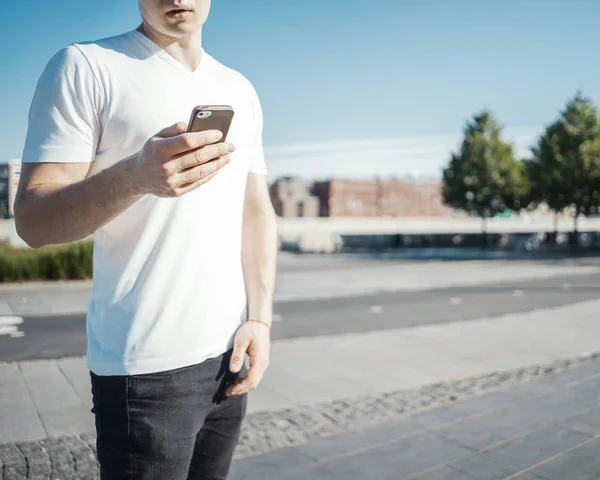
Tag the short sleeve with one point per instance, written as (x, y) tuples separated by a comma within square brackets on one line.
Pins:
[(63, 124), (257, 161)]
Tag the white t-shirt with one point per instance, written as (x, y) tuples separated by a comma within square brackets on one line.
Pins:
[(168, 286)]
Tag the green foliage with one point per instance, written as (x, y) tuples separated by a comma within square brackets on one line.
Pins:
[(65, 262), (565, 168), (483, 178)]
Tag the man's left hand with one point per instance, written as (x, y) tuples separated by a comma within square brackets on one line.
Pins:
[(254, 339)]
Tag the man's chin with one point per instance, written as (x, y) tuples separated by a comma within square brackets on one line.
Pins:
[(181, 29)]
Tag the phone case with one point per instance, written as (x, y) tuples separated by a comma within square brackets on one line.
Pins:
[(211, 117)]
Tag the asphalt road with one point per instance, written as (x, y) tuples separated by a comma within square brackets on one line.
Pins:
[(59, 336)]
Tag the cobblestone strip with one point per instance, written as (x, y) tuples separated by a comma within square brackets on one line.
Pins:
[(74, 457), (65, 458), (14, 463), (61, 461)]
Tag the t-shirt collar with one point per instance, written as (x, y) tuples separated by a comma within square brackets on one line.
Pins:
[(158, 51)]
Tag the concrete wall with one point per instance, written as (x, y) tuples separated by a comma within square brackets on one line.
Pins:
[(431, 225), (8, 234), (325, 234)]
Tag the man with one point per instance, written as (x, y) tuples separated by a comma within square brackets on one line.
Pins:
[(185, 237)]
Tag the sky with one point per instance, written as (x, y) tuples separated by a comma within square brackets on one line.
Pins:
[(349, 88)]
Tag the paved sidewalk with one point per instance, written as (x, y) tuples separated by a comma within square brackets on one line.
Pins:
[(74, 456), (547, 429), (51, 398)]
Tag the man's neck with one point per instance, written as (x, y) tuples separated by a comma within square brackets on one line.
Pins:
[(187, 50)]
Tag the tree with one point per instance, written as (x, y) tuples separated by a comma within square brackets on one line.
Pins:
[(564, 170), (483, 178)]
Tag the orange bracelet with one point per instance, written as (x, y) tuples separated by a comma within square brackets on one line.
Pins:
[(264, 323)]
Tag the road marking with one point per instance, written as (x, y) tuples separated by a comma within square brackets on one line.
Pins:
[(8, 326), (566, 286), (456, 301), (11, 320), (7, 329), (518, 293), (375, 309), (277, 318)]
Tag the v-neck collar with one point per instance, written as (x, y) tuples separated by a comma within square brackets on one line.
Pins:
[(167, 57)]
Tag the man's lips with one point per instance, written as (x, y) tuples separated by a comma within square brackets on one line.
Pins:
[(178, 11)]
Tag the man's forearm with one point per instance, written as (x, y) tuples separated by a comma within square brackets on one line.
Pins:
[(53, 213), (259, 259)]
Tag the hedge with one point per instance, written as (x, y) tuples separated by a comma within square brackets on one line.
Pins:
[(72, 261)]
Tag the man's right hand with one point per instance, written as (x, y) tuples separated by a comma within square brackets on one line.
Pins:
[(174, 162)]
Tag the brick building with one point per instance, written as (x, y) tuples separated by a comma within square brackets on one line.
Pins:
[(385, 198), (10, 171), (358, 198), (292, 197), (412, 198)]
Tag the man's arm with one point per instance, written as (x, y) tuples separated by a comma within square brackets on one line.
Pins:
[(259, 260), (62, 202), (259, 248)]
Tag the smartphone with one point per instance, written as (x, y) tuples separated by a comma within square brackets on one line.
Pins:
[(211, 117)]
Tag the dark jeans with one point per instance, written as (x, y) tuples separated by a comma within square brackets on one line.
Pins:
[(174, 425)]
